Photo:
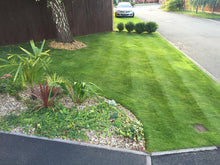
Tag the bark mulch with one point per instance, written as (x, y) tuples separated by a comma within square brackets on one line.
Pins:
[(68, 46)]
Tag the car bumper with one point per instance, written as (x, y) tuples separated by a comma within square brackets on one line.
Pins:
[(124, 14)]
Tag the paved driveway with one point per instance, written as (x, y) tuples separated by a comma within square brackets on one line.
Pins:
[(29, 150), (26, 150), (197, 37), (211, 157)]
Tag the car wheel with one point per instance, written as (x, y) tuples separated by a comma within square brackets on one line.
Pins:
[(132, 15)]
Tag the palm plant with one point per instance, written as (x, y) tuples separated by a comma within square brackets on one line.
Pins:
[(28, 67)]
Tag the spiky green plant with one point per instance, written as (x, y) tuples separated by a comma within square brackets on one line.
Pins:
[(28, 67), (79, 91), (55, 80)]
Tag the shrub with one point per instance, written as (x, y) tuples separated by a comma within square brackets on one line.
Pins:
[(8, 86), (151, 27), (130, 26), (28, 67), (173, 5), (120, 26), (140, 27), (4, 82), (132, 3)]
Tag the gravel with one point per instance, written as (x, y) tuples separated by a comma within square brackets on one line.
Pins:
[(10, 104)]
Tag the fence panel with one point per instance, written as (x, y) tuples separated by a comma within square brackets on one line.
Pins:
[(21, 21)]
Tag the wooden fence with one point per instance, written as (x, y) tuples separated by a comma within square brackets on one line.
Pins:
[(23, 20)]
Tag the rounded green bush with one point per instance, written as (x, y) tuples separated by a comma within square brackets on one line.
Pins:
[(140, 27), (120, 26), (130, 26), (132, 3), (174, 5), (151, 27)]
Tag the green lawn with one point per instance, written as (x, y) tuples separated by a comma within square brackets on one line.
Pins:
[(200, 14), (163, 88), (145, 4)]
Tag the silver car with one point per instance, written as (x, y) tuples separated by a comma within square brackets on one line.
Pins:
[(124, 9)]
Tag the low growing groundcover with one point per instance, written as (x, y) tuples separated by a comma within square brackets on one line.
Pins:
[(167, 92), (70, 123)]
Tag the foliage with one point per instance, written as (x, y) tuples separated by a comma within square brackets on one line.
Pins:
[(132, 3), (130, 26), (204, 3), (4, 81), (151, 26), (28, 67), (120, 26), (45, 94), (79, 91), (140, 27), (55, 80), (173, 5), (197, 4), (213, 3), (71, 123), (8, 86)]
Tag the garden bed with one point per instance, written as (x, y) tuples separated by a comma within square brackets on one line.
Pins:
[(17, 117)]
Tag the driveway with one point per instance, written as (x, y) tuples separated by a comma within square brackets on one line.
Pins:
[(198, 38), (189, 158), (29, 150), (20, 149)]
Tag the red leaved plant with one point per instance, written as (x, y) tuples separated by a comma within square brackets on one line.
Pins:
[(45, 94)]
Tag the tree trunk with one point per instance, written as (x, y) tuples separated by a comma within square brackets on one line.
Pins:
[(213, 9), (184, 5), (203, 7), (197, 9), (64, 33)]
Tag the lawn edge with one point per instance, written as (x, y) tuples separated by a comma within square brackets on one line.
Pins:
[(196, 63), (195, 16)]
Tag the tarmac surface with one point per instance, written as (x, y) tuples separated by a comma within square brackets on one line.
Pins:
[(191, 158), (32, 150), (23, 150), (198, 38)]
